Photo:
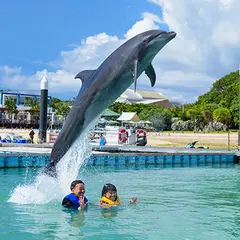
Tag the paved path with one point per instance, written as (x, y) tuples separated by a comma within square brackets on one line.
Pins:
[(46, 149)]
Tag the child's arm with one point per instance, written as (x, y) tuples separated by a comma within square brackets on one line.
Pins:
[(134, 199), (103, 204)]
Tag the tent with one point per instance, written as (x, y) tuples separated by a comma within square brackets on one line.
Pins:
[(109, 113), (128, 116)]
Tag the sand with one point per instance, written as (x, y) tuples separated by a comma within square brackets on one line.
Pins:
[(212, 140)]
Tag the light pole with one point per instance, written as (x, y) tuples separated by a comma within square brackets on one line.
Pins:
[(43, 110)]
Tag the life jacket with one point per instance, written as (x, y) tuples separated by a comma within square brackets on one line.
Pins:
[(109, 201), (73, 198)]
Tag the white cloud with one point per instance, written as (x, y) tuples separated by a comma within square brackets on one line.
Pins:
[(59, 80), (147, 23), (6, 70), (206, 48), (89, 54)]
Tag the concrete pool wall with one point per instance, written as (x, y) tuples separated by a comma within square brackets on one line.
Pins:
[(113, 156)]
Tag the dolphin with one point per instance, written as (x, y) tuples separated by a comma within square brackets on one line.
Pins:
[(102, 86)]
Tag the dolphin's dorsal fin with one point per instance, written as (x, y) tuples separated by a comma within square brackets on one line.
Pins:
[(85, 75), (135, 74), (151, 74)]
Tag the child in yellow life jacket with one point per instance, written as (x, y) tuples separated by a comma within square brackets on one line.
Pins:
[(109, 196)]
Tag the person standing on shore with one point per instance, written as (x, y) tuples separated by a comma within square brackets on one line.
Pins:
[(31, 135)]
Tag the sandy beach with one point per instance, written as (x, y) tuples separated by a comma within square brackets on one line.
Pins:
[(212, 140)]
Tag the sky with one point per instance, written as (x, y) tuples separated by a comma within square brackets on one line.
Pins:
[(60, 38)]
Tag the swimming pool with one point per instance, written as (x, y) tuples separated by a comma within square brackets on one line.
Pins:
[(174, 203)]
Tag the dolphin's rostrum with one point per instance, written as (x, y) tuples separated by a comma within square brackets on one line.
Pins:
[(102, 86)]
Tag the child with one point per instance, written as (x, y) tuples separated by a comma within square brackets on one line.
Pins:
[(102, 141), (109, 196), (76, 200)]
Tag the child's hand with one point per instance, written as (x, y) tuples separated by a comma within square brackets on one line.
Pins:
[(103, 204), (82, 203), (134, 199)]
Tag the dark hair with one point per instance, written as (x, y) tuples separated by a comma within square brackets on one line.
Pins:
[(109, 188), (74, 183)]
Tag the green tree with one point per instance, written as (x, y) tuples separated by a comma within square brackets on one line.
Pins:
[(207, 111), (224, 93), (119, 107), (161, 119), (234, 109), (222, 115), (11, 106), (63, 109), (30, 102), (179, 112), (55, 101), (195, 115)]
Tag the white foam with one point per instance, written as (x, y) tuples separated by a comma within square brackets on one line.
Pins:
[(46, 189)]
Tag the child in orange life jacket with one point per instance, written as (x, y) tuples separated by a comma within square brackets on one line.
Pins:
[(109, 196)]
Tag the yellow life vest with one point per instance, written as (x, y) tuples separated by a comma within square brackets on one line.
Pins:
[(109, 201)]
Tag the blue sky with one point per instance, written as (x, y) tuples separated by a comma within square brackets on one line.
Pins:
[(36, 31), (57, 39)]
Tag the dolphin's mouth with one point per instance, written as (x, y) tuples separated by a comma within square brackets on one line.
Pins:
[(162, 35), (171, 34), (166, 35)]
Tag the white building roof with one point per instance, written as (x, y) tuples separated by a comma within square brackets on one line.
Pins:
[(25, 92), (151, 101), (129, 94), (129, 116), (144, 97)]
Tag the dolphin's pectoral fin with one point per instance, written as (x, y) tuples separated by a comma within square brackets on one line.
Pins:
[(85, 75), (151, 74), (135, 74)]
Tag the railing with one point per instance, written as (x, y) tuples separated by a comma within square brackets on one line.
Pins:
[(27, 124)]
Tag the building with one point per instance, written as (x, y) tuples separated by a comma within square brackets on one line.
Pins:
[(24, 113), (145, 97)]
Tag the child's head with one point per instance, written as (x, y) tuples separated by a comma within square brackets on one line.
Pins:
[(77, 188), (109, 191)]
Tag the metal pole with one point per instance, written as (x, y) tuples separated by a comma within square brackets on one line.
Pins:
[(43, 110)]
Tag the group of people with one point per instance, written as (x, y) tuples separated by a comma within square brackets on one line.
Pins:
[(77, 200)]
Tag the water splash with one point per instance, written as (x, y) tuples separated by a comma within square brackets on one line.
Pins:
[(45, 188)]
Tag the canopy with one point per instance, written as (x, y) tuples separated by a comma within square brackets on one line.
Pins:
[(109, 113), (129, 116)]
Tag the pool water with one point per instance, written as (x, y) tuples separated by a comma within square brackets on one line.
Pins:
[(174, 203)]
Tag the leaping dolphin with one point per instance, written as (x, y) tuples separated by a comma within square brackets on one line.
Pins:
[(101, 87)]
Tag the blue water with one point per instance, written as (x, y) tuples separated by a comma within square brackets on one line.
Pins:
[(174, 203)]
